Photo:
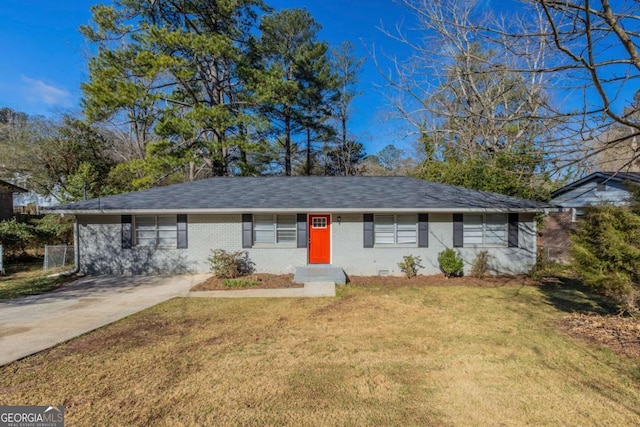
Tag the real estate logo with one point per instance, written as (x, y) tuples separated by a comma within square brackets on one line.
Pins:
[(32, 416)]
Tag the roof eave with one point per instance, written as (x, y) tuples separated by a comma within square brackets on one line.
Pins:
[(541, 209)]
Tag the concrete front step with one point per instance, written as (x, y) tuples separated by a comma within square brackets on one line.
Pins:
[(320, 273)]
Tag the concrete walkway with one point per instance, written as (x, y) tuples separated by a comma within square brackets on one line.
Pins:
[(314, 289), (32, 324)]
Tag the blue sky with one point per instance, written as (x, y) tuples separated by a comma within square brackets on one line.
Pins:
[(43, 57)]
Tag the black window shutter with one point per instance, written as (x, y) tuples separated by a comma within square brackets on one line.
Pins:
[(302, 230), (423, 230), (127, 231), (513, 230), (182, 231), (368, 230), (458, 231), (247, 230)]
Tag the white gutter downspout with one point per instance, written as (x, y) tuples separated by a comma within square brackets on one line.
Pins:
[(76, 246)]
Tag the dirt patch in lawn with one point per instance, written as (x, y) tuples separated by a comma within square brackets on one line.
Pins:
[(619, 334), (254, 281)]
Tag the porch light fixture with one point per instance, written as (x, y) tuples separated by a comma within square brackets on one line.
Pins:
[(339, 219)]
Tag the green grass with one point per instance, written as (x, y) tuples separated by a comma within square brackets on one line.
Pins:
[(27, 278), (372, 356), (239, 283)]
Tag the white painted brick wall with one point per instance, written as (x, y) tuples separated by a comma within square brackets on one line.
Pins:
[(101, 252)]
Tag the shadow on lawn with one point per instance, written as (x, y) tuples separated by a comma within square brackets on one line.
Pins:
[(572, 296)]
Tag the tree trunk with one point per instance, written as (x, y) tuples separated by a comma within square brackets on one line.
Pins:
[(287, 141), (308, 151), (344, 158)]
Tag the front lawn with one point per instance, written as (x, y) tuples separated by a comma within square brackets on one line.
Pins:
[(375, 355), (27, 278)]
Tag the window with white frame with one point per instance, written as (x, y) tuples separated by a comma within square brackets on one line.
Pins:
[(274, 229), (156, 230), (485, 229), (395, 229)]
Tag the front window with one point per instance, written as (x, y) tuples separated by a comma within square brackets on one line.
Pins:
[(274, 229), (156, 230), (485, 229), (395, 229)]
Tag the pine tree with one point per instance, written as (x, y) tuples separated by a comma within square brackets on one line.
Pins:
[(174, 70), (298, 79)]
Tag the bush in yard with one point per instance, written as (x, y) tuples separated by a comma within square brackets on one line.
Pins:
[(450, 263), (20, 238), (480, 266), (53, 230), (606, 253), (228, 265), (16, 237), (410, 265)]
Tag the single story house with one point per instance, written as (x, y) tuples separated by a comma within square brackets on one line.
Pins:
[(364, 225), (7, 191), (574, 199)]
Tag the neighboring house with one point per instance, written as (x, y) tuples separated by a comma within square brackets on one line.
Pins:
[(6, 199), (364, 225), (31, 202), (575, 198)]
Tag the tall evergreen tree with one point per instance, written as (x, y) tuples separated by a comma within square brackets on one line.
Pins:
[(174, 68), (298, 78), (317, 96)]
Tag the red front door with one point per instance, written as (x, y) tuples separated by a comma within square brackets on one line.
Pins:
[(319, 239)]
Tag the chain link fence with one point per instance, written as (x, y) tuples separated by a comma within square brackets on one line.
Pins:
[(58, 257)]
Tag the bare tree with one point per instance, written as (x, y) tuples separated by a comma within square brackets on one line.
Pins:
[(347, 67), (466, 94), (568, 67), (595, 69)]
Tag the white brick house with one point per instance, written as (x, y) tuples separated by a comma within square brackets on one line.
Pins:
[(364, 225)]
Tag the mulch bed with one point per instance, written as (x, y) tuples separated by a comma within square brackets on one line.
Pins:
[(619, 334), (273, 281)]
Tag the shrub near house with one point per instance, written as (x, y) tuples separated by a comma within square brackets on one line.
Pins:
[(450, 263), (606, 252)]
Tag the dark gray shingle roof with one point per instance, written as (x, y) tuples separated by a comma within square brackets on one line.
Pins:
[(305, 193)]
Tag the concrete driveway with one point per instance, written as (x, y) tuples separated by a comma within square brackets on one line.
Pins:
[(32, 324)]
